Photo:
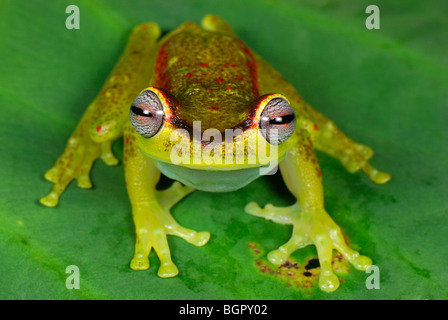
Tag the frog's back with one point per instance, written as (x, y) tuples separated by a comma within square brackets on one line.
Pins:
[(212, 75)]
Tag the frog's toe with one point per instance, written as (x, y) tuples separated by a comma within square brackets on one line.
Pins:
[(214, 23), (168, 270), (328, 281), (283, 215), (361, 262), (50, 200), (140, 262), (84, 182), (197, 239), (365, 151), (107, 154), (380, 177), (52, 175), (278, 257), (375, 175), (200, 238), (254, 209)]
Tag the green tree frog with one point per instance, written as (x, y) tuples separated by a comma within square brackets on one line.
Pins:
[(177, 97)]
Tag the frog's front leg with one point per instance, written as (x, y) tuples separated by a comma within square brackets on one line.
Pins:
[(150, 210), (311, 223)]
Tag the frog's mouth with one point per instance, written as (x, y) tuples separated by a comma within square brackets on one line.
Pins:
[(211, 181)]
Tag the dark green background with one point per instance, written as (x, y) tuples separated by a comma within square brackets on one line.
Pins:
[(386, 88)]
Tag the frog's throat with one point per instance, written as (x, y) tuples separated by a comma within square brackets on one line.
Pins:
[(208, 180)]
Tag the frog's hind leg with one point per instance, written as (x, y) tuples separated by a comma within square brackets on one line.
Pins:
[(353, 155), (214, 23), (132, 73), (326, 136), (102, 123)]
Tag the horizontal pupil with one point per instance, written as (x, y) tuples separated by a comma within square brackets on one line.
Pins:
[(141, 112), (282, 120)]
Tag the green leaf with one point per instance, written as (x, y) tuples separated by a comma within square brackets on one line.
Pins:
[(386, 88)]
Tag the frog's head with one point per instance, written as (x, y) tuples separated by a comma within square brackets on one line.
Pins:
[(182, 137)]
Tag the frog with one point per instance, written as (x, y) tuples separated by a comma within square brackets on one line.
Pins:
[(158, 92)]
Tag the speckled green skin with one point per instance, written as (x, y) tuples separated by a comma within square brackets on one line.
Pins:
[(212, 75)]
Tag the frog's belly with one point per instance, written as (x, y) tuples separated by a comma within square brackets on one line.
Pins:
[(207, 180)]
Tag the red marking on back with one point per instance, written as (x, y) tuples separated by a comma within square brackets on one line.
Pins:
[(319, 173), (239, 77), (219, 80), (316, 127), (144, 27), (189, 75), (214, 108), (208, 89), (252, 65), (203, 64), (98, 129), (230, 65), (228, 88), (162, 76), (127, 140)]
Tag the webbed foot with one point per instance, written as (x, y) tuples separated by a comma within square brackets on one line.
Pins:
[(311, 226), (153, 223), (76, 163)]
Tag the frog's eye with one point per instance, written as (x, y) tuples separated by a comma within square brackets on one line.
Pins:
[(277, 121), (147, 114)]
